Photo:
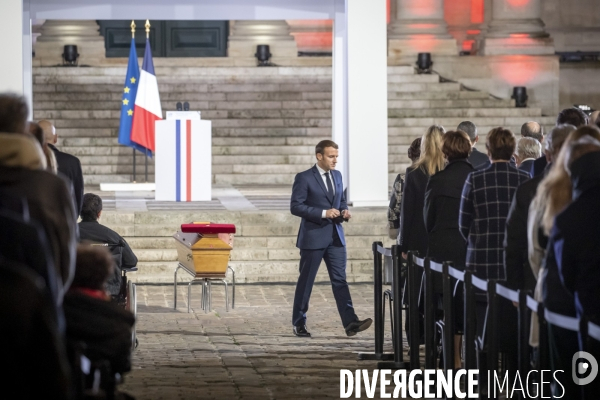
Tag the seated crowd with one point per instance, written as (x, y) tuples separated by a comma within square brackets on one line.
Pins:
[(523, 217), (65, 332)]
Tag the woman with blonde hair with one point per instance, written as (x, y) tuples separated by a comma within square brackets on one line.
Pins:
[(553, 194), (413, 235)]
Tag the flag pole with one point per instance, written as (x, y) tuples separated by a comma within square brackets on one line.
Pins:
[(133, 148), (146, 160)]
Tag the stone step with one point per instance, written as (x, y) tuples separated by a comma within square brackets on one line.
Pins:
[(117, 169), (465, 112), (216, 141), (416, 87), (455, 103), (242, 242), (254, 179), (249, 254), (176, 80), (173, 97), (243, 87), (209, 71), (218, 123), (98, 150), (478, 121), (69, 109), (251, 272), (313, 133), (436, 95), (96, 179)]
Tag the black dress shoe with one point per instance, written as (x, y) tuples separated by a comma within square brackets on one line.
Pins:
[(301, 331), (358, 326)]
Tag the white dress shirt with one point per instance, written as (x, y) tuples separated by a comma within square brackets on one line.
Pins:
[(323, 172)]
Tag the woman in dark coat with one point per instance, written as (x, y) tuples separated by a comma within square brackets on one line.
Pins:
[(442, 202), (413, 235), (442, 207)]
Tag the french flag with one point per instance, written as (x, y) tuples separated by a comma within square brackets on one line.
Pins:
[(147, 104)]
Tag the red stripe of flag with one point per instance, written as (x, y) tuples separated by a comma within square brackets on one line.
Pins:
[(189, 159), (142, 129)]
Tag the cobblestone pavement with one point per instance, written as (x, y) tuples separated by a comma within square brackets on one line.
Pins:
[(246, 353)]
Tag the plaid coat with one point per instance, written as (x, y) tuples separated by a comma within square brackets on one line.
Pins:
[(484, 206)]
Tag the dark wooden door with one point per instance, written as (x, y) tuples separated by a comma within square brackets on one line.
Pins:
[(167, 38)]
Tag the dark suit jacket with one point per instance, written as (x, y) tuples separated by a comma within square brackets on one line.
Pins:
[(104, 327), (478, 159), (442, 206), (309, 199), (50, 204), (526, 166), (69, 166), (93, 231), (516, 262), (576, 238), (32, 341), (413, 235), (484, 207), (538, 166)]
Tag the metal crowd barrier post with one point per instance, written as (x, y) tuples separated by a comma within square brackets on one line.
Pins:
[(524, 329), (491, 329), (378, 251), (414, 278), (398, 362), (448, 306), (470, 328), (430, 345)]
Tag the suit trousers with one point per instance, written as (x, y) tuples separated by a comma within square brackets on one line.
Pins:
[(335, 260)]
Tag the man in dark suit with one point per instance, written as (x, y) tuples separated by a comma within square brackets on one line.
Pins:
[(68, 165), (477, 159), (528, 150), (516, 263), (318, 199)]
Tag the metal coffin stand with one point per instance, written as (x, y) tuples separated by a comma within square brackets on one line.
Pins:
[(203, 251)]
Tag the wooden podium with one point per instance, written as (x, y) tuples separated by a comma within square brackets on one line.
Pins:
[(183, 166)]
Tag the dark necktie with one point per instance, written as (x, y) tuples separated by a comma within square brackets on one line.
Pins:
[(329, 186)]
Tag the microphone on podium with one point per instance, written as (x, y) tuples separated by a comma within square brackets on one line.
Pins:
[(178, 106), (186, 106)]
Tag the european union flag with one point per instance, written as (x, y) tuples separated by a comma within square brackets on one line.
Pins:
[(128, 101)]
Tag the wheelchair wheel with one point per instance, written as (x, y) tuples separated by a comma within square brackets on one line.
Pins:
[(132, 307)]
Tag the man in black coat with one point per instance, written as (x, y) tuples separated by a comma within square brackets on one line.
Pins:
[(91, 230), (516, 263), (477, 159), (68, 165)]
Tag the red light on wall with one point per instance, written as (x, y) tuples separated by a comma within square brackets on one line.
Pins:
[(424, 8), (516, 70), (467, 45), (477, 11), (519, 35)]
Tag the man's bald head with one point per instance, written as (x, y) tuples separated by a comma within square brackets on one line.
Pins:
[(532, 129), (49, 131)]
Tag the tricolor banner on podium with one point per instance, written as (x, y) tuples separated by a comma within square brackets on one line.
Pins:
[(183, 160)]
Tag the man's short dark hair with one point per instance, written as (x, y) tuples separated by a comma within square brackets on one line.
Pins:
[(501, 143), (320, 147), (13, 113), (469, 128), (93, 266), (92, 205), (572, 116), (534, 130), (456, 145)]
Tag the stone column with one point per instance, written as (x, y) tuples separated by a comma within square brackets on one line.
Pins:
[(244, 36), (55, 34), (516, 27), (419, 26)]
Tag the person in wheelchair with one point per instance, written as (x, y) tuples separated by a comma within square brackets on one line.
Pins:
[(95, 324), (90, 230)]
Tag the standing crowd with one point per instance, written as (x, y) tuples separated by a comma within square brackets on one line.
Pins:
[(525, 214), (64, 332)]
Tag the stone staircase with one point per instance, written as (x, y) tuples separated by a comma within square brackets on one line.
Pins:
[(266, 122)]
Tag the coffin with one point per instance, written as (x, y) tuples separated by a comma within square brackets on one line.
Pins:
[(203, 248)]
